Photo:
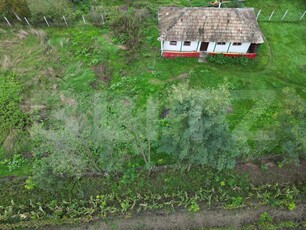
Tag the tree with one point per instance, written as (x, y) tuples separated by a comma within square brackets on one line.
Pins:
[(291, 129), (126, 26), (133, 129), (76, 145), (195, 132), (53, 10), (68, 149), (9, 8)]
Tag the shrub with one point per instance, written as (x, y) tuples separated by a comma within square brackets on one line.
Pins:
[(222, 60), (291, 128), (127, 27), (53, 10), (196, 131), (13, 164), (12, 119), (9, 7)]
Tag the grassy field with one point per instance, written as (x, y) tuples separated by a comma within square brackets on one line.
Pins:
[(79, 62), (70, 65), (56, 68)]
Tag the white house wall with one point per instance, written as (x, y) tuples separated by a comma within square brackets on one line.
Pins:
[(180, 46), (193, 46), (243, 48), (169, 47), (222, 48), (211, 47)]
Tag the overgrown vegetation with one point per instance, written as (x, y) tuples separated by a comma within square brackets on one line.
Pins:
[(12, 119), (96, 110), (53, 10), (222, 60)]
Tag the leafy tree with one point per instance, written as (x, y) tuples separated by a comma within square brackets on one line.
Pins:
[(195, 132), (9, 8), (132, 129), (139, 128), (66, 151), (127, 26), (53, 10), (291, 129), (77, 145)]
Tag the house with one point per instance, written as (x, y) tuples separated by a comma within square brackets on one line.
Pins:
[(193, 31)]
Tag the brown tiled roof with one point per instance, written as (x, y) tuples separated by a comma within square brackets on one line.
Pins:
[(209, 24)]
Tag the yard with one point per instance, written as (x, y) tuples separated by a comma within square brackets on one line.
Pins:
[(54, 81)]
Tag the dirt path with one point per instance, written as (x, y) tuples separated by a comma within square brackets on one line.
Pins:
[(186, 220)]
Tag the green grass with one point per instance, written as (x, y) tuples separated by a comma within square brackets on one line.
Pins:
[(24, 170), (63, 62), (64, 58)]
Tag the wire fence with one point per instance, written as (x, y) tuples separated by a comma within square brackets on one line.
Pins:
[(279, 16), (45, 22), (262, 16)]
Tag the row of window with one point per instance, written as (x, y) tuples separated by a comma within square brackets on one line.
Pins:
[(188, 43), (234, 43)]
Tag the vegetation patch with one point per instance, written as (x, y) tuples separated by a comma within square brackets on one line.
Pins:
[(102, 126)]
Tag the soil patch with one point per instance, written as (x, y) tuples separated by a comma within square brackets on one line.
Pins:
[(102, 75), (269, 172), (179, 77)]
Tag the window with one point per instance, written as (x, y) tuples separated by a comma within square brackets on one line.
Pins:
[(221, 43), (237, 44), (187, 43), (173, 43)]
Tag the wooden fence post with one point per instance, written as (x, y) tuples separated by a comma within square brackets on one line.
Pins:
[(65, 21), (27, 21), (18, 18), (84, 19), (103, 22), (258, 14), (303, 15), (271, 15), (7, 21), (46, 21), (284, 15)]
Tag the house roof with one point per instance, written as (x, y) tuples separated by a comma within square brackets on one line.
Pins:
[(208, 24)]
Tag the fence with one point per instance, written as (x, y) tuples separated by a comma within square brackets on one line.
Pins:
[(286, 16), (63, 22), (279, 16)]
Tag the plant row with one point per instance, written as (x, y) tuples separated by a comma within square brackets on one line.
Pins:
[(112, 204)]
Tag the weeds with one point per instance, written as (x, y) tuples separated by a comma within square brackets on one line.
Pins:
[(222, 60)]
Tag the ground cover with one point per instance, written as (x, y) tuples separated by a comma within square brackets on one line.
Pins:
[(60, 68)]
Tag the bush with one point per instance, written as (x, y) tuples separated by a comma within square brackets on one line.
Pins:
[(291, 128), (12, 118), (9, 7), (127, 27), (222, 60), (53, 10), (195, 132)]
